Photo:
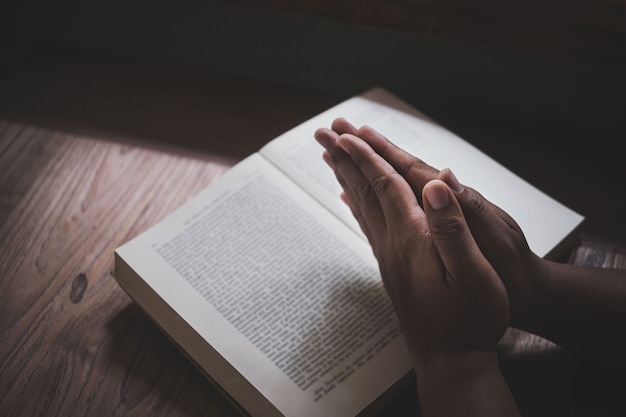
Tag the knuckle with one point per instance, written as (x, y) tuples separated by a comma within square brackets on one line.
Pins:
[(415, 164), (419, 169), (381, 184), (476, 202), (361, 190), (449, 229)]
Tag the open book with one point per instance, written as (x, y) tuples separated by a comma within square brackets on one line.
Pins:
[(266, 282)]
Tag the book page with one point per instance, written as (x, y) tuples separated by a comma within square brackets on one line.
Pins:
[(283, 290), (544, 221)]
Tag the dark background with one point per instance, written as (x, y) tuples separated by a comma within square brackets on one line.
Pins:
[(538, 86)]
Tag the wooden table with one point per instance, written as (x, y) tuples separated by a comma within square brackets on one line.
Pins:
[(93, 154)]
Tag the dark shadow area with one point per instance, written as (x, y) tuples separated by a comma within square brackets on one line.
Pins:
[(575, 159), (136, 100), (553, 382), (579, 165), (154, 366), (565, 386), (585, 30)]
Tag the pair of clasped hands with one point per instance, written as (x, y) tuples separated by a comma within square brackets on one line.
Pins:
[(458, 271)]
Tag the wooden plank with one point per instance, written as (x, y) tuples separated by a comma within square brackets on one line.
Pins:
[(69, 337)]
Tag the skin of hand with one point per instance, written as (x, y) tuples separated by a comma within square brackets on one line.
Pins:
[(497, 234), (580, 308), (451, 304)]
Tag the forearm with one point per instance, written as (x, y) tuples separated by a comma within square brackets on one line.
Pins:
[(584, 311), (464, 384)]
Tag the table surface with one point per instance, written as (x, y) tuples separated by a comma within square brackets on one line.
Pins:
[(93, 154)]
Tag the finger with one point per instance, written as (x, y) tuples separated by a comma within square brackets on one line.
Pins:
[(350, 178), (335, 156), (394, 195), (326, 137), (451, 235), (416, 171), (486, 220), (468, 271), (356, 213), (341, 125), (447, 176)]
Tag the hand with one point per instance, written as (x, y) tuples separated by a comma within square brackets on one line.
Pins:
[(447, 296), (451, 304), (499, 237)]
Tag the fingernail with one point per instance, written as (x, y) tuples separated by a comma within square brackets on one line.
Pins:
[(452, 181), (321, 139), (437, 196), (344, 143)]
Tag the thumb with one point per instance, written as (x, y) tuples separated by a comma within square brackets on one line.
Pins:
[(451, 235)]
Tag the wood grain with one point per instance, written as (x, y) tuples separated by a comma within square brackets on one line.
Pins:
[(69, 336)]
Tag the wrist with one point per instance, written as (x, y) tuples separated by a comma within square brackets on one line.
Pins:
[(457, 365), (530, 312), (467, 383)]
